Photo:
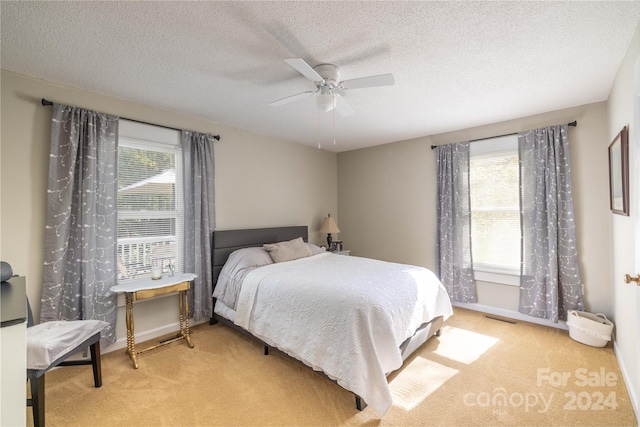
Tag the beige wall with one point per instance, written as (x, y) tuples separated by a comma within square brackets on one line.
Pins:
[(260, 182), (387, 196), (626, 298)]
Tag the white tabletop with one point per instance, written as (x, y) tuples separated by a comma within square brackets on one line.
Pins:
[(144, 283)]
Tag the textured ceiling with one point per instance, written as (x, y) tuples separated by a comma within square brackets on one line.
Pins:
[(456, 64)]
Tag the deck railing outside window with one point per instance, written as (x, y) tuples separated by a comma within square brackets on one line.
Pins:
[(136, 255)]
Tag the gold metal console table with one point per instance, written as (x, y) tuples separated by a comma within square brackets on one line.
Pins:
[(138, 289)]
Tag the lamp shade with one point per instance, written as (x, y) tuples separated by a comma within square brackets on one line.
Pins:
[(329, 226)]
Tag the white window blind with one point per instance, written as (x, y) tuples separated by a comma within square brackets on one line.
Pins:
[(495, 205), (150, 203)]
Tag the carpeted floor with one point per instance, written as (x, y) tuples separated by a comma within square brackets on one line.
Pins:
[(479, 372)]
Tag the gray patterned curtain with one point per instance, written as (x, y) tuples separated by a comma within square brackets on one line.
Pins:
[(454, 222), (81, 228), (550, 278), (199, 218)]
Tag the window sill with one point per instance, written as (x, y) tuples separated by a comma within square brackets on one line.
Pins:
[(493, 276)]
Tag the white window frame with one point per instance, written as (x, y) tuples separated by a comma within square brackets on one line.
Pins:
[(143, 136), (484, 273)]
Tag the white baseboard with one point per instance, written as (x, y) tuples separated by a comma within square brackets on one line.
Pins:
[(633, 394), (510, 314), (150, 334)]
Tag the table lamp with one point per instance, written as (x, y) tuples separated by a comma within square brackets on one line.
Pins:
[(329, 226)]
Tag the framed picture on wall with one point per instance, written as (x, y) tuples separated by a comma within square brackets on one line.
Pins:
[(619, 173)]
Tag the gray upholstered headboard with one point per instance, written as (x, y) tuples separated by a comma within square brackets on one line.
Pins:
[(227, 241)]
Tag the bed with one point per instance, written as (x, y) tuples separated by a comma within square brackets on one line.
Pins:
[(354, 320)]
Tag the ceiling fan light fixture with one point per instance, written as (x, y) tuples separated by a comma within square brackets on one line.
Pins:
[(330, 90), (326, 102)]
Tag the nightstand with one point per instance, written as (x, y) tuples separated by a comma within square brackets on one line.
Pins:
[(343, 252)]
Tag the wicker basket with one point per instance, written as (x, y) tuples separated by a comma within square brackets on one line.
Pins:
[(588, 328)]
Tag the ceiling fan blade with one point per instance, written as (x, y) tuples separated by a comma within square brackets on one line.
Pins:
[(371, 81), (305, 69), (342, 106), (291, 98)]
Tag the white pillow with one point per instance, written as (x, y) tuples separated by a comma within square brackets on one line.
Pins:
[(315, 250), (287, 251), (238, 265)]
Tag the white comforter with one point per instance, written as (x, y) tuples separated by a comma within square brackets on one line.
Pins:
[(346, 316)]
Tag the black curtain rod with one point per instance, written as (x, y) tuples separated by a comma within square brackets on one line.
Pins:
[(48, 103), (573, 124)]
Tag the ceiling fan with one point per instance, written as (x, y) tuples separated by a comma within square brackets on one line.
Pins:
[(329, 89)]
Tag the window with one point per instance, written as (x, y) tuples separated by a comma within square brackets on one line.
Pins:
[(150, 206), (495, 207)]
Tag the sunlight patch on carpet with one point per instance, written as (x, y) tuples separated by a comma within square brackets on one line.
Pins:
[(462, 345), (417, 381)]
